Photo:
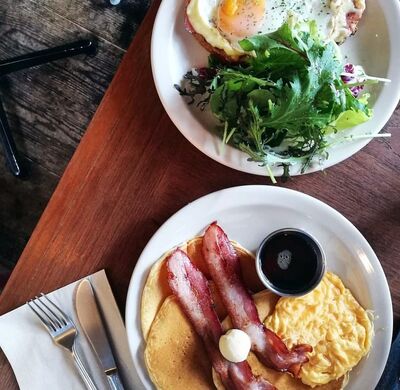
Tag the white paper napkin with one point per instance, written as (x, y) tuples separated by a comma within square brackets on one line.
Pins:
[(39, 364)]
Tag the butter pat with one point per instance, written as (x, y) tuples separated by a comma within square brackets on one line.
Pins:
[(235, 345)]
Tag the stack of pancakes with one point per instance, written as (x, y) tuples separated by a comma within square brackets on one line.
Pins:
[(174, 354)]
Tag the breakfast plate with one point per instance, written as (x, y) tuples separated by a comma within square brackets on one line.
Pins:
[(248, 214), (174, 51)]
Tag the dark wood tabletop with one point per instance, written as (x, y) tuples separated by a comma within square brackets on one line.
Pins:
[(50, 106), (133, 170)]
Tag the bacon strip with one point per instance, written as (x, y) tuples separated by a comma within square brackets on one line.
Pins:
[(355, 15), (224, 267), (353, 19), (190, 286)]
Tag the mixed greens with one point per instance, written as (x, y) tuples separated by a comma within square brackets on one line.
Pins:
[(283, 103)]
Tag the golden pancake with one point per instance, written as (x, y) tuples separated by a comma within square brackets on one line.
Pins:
[(266, 302), (176, 358), (174, 355), (156, 289)]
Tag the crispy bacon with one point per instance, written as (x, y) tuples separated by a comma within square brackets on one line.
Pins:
[(224, 267), (353, 19), (190, 286), (355, 15)]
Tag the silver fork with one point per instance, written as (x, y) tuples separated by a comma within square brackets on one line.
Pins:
[(62, 330)]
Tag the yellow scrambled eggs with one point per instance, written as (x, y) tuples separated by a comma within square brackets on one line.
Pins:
[(329, 319)]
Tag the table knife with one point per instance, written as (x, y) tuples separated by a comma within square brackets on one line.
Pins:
[(90, 320)]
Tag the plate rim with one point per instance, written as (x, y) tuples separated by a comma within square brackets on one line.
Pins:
[(391, 10), (132, 297)]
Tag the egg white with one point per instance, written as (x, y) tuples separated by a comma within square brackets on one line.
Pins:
[(202, 15), (330, 16)]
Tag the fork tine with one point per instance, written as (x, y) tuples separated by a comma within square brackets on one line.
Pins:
[(39, 305), (64, 316), (46, 323), (57, 318)]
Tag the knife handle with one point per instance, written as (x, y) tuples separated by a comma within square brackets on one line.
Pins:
[(114, 381), (43, 56)]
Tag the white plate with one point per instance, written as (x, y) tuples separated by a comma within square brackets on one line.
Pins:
[(174, 51), (248, 214)]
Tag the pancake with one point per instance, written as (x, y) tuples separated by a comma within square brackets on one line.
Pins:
[(174, 355), (156, 288), (176, 358)]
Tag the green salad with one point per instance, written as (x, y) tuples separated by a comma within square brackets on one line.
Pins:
[(285, 101)]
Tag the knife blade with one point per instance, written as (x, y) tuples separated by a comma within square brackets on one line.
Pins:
[(90, 320)]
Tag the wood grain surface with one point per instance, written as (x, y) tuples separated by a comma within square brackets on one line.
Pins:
[(49, 107), (133, 170), (115, 25)]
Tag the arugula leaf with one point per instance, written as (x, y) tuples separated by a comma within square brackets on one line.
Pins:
[(295, 109), (224, 104), (261, 98), (271, 55), (279, 105)]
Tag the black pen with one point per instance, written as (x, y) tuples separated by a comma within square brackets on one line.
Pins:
[(47, 55)]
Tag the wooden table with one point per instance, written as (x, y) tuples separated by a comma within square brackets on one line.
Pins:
[(39, 101), (133, 170)]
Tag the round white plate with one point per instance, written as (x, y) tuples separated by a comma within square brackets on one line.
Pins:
[(174, 51), (248, 214)]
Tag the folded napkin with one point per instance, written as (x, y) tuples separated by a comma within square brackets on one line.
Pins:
[(39, 364), (390, 377)]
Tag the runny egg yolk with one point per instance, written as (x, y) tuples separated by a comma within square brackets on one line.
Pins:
[(240, 18)]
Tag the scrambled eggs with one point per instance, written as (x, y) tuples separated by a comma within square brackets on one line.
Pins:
[(329, 319)]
